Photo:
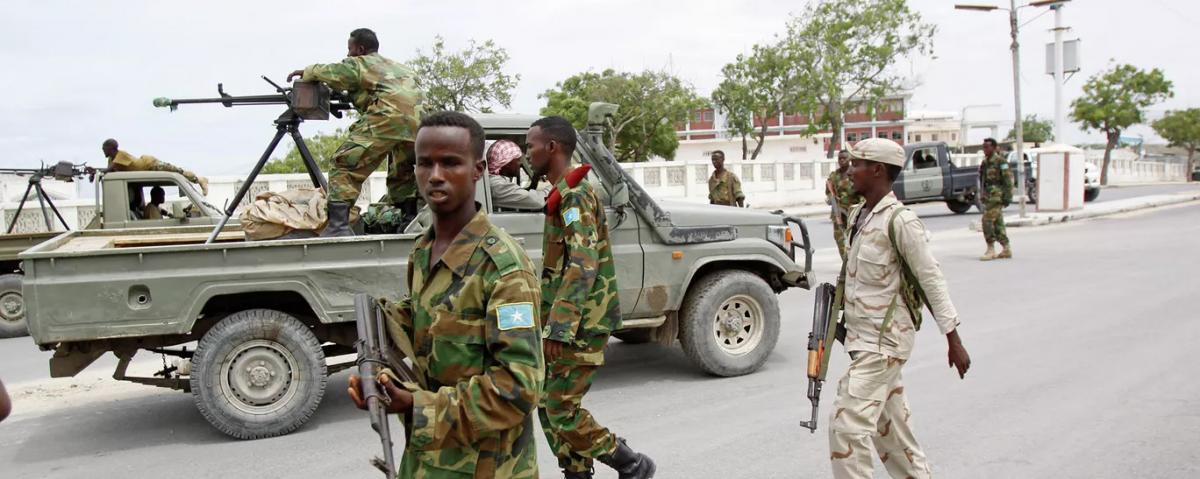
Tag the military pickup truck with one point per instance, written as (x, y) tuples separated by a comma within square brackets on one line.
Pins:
[(929, 176), (266, 315), (124, 194)]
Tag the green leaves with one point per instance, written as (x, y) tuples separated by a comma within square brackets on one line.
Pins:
[(470, 80), (651, 104), (1182, 129), (1113, 100), (1034, 129), (321, 145)]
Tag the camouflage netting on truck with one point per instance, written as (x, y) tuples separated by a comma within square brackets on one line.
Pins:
[(293, 213)]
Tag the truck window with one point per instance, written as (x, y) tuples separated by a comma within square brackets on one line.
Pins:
[(924, 158), (141, 194)]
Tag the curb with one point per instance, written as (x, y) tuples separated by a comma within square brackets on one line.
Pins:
[(1148, 202)]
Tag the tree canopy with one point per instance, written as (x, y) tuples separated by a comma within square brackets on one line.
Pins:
[(651, 104), (321, 145), (1034, 129), (1182, 129), (758, 85), (470, 80), (1115, 99)]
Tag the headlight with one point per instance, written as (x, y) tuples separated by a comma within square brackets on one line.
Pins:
[(781, 235)]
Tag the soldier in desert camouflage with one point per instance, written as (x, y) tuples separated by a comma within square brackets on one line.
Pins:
[(472, 318), (579, 308), (385, 94), (888, 245)]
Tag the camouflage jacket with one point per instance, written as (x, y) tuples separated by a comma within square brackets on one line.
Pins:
[(579, 279), (997, 178), (725, 190), (845, 197), (873, 278), (473, 320), (383, 91)]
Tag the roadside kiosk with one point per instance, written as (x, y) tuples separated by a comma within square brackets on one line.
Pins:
[(1060, 172)]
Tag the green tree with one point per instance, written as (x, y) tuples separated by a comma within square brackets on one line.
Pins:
[(1114, 100), (841, 53), (759, 86), (1182, 129), (471, 80), (1034, 129), (321, 145), (651, 104)]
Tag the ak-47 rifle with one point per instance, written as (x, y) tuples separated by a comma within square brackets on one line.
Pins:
[(833, 202), (825, 323), (375, 355)]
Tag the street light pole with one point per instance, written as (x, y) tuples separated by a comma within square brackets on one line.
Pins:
[(1020, 139), (1059, 117)]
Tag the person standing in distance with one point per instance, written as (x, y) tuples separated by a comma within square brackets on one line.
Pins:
[(384, 93), (724, 187), (472, 318), (839, 191), (871, 410), (579, 307), (997, 185)]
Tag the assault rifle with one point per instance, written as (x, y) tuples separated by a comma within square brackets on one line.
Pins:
[(304, 101), (62, 171), (819, 342), (375, 355)]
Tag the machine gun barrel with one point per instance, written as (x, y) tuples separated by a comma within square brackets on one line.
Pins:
[(307, 100)]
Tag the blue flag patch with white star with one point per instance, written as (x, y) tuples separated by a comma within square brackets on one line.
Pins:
[(570, 216), (514, 316)]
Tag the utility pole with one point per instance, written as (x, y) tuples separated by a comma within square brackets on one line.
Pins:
[(1020, 140), (1059, 79)]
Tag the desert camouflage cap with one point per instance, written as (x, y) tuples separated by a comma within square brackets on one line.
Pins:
[(878, 149)]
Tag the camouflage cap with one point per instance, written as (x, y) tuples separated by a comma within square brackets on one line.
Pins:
[(881, 150)]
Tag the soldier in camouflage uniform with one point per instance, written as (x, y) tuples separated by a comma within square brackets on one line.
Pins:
[(385, 94), (724, 187), (472, 320), (579, 307), (996, 179), (871, 411), (121, 161), (840, 195)]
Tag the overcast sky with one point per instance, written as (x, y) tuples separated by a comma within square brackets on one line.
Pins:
[(82, 71)]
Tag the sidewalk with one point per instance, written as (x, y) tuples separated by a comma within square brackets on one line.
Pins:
[(1095, 210)]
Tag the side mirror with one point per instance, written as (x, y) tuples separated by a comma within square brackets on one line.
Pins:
[(179, 210)]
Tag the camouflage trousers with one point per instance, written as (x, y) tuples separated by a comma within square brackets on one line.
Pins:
[(871, 412), (839, 234), (160, 165), (993, 223), (573, 434), (359, 156)]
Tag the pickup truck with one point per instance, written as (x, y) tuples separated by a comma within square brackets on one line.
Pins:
[(929, 176), (266, 315), (124, 194)]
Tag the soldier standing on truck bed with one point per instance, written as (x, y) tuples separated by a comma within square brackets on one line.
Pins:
[(385, 94), (579, 308), (841, 196), (471, 318), (889, 274), (996, 181), (121, 161), (724, 187)]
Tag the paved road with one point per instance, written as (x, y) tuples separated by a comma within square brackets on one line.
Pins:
[(1082, 349)]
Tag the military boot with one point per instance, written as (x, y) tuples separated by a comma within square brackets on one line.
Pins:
[(339, 220), (203, 182), (990, 254), (1005, 254), (577, 475), (629, 464)]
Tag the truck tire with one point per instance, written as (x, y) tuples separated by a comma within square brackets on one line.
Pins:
[(730, 323), (258, 373), (959, 207), (635, 336), (12, 307)]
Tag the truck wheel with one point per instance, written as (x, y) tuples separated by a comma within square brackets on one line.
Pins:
[(258, 373), (12, 307), (730, 323), (635, 336), (1091, 195), (959, 207)]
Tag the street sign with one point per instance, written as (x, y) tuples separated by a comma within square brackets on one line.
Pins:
[(1070, 57)]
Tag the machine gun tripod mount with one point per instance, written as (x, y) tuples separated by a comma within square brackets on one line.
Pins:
[(304, 101), (63, 171)]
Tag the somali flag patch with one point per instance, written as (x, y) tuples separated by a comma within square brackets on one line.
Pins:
[(570, 216), (514, 316)]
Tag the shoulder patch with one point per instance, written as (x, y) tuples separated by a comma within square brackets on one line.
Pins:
[(514, 316), (571, 215)]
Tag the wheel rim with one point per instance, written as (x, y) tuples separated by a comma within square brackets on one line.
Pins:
[(12, 306), (259, 377), (738, 325)]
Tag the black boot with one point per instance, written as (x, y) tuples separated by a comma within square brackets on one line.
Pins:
[(629, 464), (339, 220), (577, 475)]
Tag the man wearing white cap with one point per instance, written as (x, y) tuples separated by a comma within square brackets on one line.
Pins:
[(889, 273), (503, 162)]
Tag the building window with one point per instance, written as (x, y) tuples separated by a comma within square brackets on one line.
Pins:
[(708, 115), (954, 137), (896, 135), (933, 137), (851, 137), (918, 137)]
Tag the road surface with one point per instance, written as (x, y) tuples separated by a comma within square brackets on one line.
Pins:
[(1083, 350)]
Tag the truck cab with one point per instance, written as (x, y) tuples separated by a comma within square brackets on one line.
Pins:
[(124, 195), (929, 175)]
